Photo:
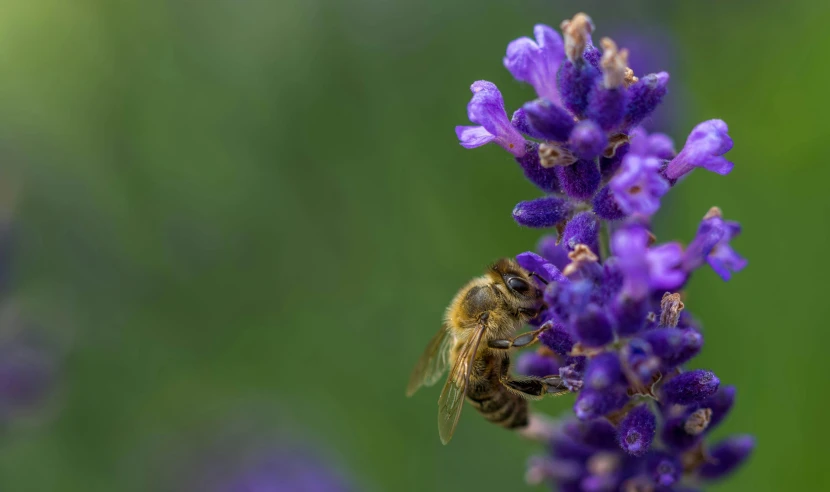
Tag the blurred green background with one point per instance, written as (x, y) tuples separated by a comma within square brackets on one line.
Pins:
[(248, 206)]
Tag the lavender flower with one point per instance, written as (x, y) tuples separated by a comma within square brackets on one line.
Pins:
[(487, 109), (711, 244), (537, 62), (616, 329), (704, 148), (638, 185)]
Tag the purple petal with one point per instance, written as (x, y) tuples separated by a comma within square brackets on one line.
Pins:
[(665, 266), (534, 263), (704, 148), (661, 145), (724, 260), (651, 145), (630, 245), (711, 244), (552, 251), (638, 185), (727, 456), (471, 137), (536, 63), (487, 109)]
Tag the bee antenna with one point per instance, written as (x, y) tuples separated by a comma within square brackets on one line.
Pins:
[(534, 274)]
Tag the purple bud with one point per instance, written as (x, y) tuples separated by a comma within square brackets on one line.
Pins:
[(674, 346), (606, 106), (604, 371), (636, 431), (592, 327), (644, 96), (598, 433), (583, 228), (587, 140), (545, 178), (727, 456), (541, 212), (606, 206), (704, 148), (557, 339), (591, 404), (664, 469), (592, 55), (720, 403), (550, 121), (542, 468), (609, 166), (674, 434), (630, 314), (536, 364), (581, 180), (690, 387), (575, 82), (642, 363), (555, 253), (564, 447), (520, 122)]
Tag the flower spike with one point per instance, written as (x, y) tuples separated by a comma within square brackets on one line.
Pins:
[(612, 322)]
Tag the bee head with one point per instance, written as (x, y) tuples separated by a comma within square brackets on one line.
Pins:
[(515, 281)]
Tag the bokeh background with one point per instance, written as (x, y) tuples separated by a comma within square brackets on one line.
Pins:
[(251, 214)]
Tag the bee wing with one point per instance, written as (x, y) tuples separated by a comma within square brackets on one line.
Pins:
[(452, 397), (433, 362)]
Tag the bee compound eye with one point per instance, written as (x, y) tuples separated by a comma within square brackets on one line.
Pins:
[(518, 285)]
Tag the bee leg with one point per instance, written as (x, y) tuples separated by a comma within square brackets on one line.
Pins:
[(523, 340), (531, 386)]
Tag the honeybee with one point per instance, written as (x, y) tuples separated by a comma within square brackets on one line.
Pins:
[(474, 340)]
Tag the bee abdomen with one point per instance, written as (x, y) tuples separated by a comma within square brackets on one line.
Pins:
[(501, 407)]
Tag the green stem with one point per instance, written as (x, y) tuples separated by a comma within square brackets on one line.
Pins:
[(604, 240)]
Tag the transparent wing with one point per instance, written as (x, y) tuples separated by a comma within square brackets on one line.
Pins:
[(433, 362), (452, 397)]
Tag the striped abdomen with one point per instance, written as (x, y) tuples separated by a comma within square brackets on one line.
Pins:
[(495, 402)]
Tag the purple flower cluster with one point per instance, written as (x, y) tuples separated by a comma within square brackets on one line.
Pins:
[(617, 331)]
